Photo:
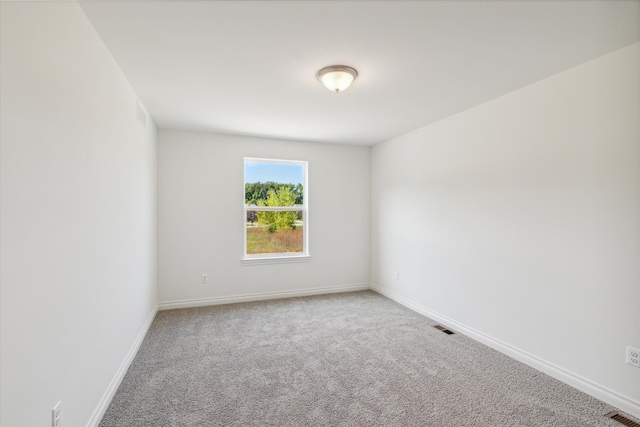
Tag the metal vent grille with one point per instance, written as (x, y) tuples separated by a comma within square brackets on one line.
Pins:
[(445, 330), (617, 416)]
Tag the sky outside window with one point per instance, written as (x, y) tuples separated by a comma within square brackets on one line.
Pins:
[(283, 173)]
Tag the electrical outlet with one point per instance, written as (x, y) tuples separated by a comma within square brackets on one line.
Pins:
[(205, 278), (56, 421), (397, 275), (633, 356)]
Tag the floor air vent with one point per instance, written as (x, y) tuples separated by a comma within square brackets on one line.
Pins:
[(447, 331), (622, 419)]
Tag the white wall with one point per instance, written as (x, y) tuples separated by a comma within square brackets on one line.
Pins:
[(77, 216), (201, 217), (520, 219)]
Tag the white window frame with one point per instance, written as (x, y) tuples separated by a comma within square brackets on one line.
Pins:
[(284, 257)]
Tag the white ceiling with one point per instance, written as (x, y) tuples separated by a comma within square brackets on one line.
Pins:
[(249, 67)]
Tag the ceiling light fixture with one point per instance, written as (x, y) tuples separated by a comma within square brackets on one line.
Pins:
[(337, 78)]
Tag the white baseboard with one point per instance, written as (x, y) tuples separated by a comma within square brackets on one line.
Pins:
[(122, 370), (200, 302), (621, 402)]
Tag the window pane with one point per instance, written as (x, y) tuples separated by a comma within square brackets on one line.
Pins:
[(273, 184), (274, 232)]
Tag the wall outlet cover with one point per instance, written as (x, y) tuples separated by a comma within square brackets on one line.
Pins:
[(56, 420), (633, 356)]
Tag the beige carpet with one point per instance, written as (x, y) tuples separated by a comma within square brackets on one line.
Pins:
[(351, 359)]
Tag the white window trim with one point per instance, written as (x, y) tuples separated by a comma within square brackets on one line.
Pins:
[(285, 257), (276, 259)]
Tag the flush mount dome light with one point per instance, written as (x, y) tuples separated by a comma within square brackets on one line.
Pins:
[(337, 78)]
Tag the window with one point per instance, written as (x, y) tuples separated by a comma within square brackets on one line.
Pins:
[(275, 211)]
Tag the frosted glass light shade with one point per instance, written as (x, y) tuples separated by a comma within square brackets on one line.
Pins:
[(337, 78)]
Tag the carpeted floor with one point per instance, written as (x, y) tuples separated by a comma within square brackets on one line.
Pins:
[(350, 359)]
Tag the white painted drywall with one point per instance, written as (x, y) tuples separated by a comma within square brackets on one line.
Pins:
[(520, 218), (200, 216), (77, 215)]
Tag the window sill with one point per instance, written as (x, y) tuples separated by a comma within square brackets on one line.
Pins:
[(276, 260)]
